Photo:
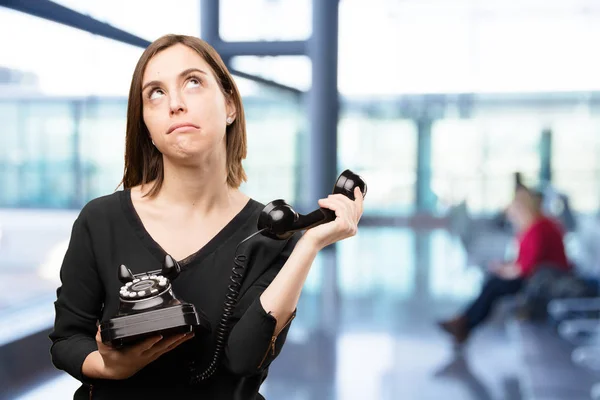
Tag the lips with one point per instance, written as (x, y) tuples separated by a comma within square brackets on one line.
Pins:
[(182, 125)]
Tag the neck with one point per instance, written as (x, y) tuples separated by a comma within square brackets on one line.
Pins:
[(199, 188), (530, 220)]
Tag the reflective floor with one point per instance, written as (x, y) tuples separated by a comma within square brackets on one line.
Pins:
[(373, 335)]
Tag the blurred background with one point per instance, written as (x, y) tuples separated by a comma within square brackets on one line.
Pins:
[(436, 103)]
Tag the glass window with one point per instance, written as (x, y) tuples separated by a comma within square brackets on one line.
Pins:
[(63, 61), (274, 124), (293, 71), (102, 145), (369, 264), (384, 152), (467, 46), (48, 154), (49, 78), (149, 19), (253, 20), (531, 47), (576, 160), (425, 37), (476, 159), (53, 139), (10, 153), (449, 276), (457, 156)]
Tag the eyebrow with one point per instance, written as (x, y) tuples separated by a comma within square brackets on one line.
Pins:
[(181, 75)]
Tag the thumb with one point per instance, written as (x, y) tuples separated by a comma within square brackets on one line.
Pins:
[(99, 342)]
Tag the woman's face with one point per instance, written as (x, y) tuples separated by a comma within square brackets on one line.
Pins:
[(184, 108), (521, 209), (515, 213)]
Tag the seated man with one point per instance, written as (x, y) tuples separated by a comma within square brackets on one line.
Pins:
[(540, 242)]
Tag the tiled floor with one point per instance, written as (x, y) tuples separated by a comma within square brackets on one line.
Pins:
[(373, 335)]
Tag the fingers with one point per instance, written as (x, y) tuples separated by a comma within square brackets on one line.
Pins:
[(185, 338), (343, 211), (333, 204), (354, 208), (167, 344), (359, 200), (148, 344)]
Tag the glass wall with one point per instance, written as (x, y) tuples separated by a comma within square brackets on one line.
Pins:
[(384, 152), (370, 265), (38, 65), (64, 114), (149, 20), (576, 159), (533, 48), (475, 159), (80, 104), (492, 46), (292, 71), (61, 153), (275, 125), (256, 20)]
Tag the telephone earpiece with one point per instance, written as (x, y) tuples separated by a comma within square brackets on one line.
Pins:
[(278, 220)]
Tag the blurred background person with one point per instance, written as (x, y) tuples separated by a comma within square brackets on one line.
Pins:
[(540, 244)]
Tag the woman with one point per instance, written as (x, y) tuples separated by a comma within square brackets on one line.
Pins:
[(185, 142), (540, 243)]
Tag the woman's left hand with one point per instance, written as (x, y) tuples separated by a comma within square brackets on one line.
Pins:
[(345, 225), (508, 271)]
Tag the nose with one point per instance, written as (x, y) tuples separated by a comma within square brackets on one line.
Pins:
[(177, 104)]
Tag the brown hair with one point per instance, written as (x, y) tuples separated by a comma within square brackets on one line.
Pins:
[(143, 162)]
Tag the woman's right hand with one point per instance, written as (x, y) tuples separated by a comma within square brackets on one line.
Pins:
[(125, 362)]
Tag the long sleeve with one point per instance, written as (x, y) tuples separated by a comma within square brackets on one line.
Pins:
[(253, 343), (78, 305)]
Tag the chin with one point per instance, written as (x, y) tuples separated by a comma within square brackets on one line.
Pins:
[(191, 149), (187, 147), (187, 156)]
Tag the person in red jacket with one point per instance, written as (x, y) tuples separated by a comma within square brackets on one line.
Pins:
[(540, 242)]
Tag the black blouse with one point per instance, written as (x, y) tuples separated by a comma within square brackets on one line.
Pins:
[(107, 233)]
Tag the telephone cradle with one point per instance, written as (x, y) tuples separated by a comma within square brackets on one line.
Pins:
[(149, 307)]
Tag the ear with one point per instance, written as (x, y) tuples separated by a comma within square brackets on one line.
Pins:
[(230, 108)]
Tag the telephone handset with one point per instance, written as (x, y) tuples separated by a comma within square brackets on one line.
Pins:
[(148, 305), (278, 220)]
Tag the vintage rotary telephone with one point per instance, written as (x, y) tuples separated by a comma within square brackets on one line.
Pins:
[(148, 307), (157, 309)]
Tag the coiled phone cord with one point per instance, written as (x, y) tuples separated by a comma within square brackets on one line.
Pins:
[(222, 332)]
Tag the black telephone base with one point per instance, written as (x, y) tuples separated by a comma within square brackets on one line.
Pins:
[(130, 329)]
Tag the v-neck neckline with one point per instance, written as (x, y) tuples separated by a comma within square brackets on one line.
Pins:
[(157, 250)]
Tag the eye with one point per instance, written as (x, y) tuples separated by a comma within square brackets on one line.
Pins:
[(193, 82), (155, 94)]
